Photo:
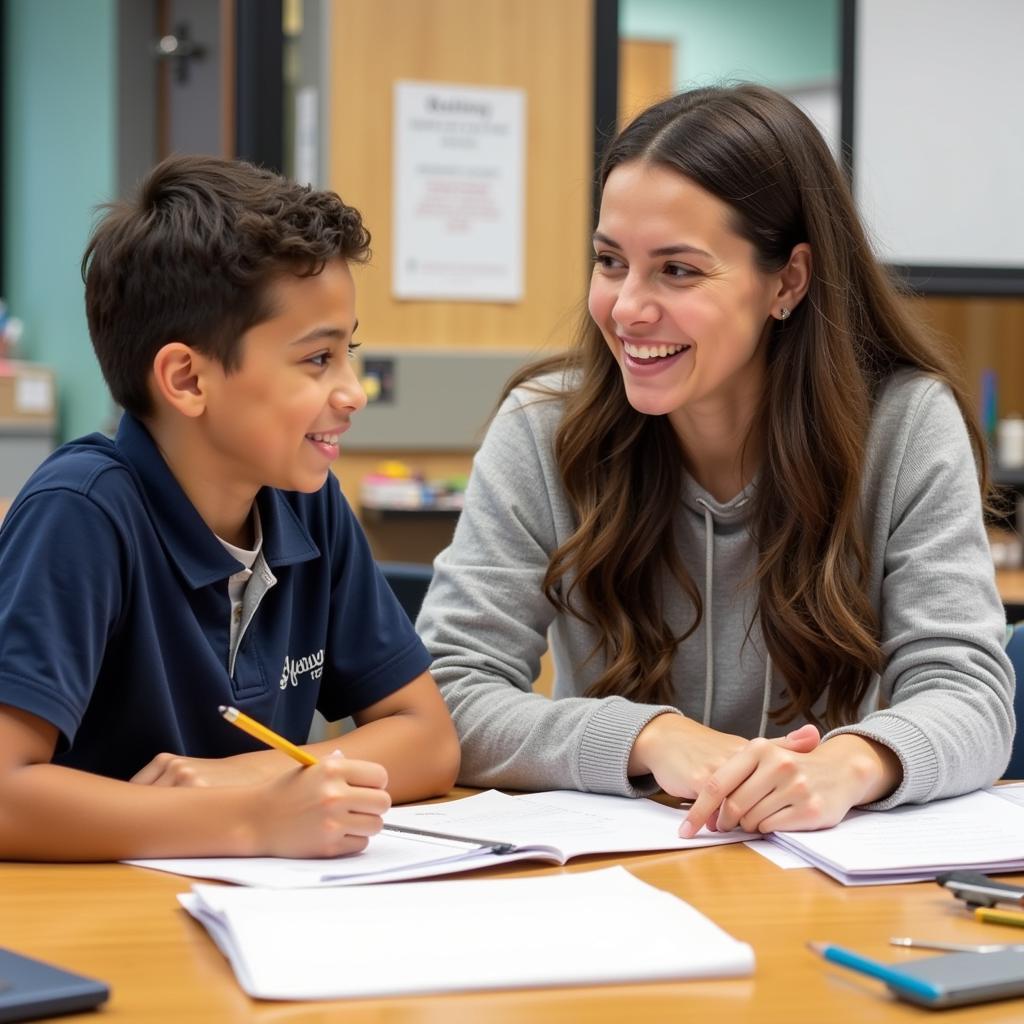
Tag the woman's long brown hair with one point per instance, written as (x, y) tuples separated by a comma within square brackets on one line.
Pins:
[(622, 470)]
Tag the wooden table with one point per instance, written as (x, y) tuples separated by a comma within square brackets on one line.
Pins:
[(123, 925)]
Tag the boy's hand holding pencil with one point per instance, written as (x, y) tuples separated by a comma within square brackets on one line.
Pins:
[(325, 808), (330, 808)]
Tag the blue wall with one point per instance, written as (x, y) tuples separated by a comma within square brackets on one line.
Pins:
[(783, 43), (60, 80)]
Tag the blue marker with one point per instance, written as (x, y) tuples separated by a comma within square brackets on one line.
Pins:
[(892, 976)]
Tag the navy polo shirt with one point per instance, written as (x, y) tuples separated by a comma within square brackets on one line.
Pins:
[(115, 615)]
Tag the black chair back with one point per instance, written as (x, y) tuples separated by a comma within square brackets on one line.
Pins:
[(409, 581)]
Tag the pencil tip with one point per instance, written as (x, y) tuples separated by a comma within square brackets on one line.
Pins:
[(816, 947)]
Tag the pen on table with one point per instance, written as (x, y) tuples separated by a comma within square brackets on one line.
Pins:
[(957, 947), (493, 845), (272, 739), (992, 916), (892, 976)]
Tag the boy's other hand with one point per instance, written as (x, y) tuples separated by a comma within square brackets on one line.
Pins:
[(177, 770), (328, 810)]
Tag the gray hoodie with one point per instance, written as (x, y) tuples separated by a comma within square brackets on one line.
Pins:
[(943, 703)]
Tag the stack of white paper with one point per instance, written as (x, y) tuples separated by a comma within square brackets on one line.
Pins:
[(591, 928), (552, 827), (982, 831)]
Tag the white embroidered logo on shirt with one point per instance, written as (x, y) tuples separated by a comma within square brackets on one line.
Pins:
[(311, 663)]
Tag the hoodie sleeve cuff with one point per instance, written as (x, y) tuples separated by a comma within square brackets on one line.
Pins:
[(911, 746), (607, 743)]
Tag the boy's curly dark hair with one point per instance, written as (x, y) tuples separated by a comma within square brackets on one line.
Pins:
[(189, 259)]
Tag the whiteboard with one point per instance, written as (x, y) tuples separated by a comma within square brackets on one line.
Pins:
[(820, 101), (938, 138)]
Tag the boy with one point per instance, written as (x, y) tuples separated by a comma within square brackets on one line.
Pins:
[(206, 556)]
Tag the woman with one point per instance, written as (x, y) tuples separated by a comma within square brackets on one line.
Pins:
[(748, 503)]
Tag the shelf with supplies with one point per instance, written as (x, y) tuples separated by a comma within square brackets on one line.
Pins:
[(391, 514), (395, 493), (28, 421)]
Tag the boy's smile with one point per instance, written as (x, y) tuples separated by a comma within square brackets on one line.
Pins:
[(328, 442)]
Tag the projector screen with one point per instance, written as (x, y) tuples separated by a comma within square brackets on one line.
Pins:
[(934, 93)]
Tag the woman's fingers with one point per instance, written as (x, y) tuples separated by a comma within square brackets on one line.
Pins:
[(724, 782), (760, 781), (802, 740)]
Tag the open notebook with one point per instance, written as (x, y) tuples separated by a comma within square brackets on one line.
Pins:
[(588, 928), (981, 831), (553, 827)]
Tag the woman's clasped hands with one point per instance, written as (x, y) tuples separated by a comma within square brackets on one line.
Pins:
[(793, 782)]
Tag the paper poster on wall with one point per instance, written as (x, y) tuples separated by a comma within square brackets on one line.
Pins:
[(458, 192)]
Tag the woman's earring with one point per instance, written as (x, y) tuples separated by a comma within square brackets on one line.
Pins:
[(783, 313)]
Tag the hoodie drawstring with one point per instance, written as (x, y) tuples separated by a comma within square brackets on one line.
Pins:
[(709, 579), (767, 694), (709, 640)]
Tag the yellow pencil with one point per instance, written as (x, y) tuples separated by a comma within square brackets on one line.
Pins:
[(990, 916), (265, 735), (271, 738)]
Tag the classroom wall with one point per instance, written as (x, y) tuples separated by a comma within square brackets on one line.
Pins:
[(59, 161), (543, 48), (784, 43)]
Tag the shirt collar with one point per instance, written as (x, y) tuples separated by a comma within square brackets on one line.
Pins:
[(191, 544)]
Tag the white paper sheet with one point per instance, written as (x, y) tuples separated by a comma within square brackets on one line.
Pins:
[(570, 822), (587, 928), (550, 826), (1012, 791), (980, 831)]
